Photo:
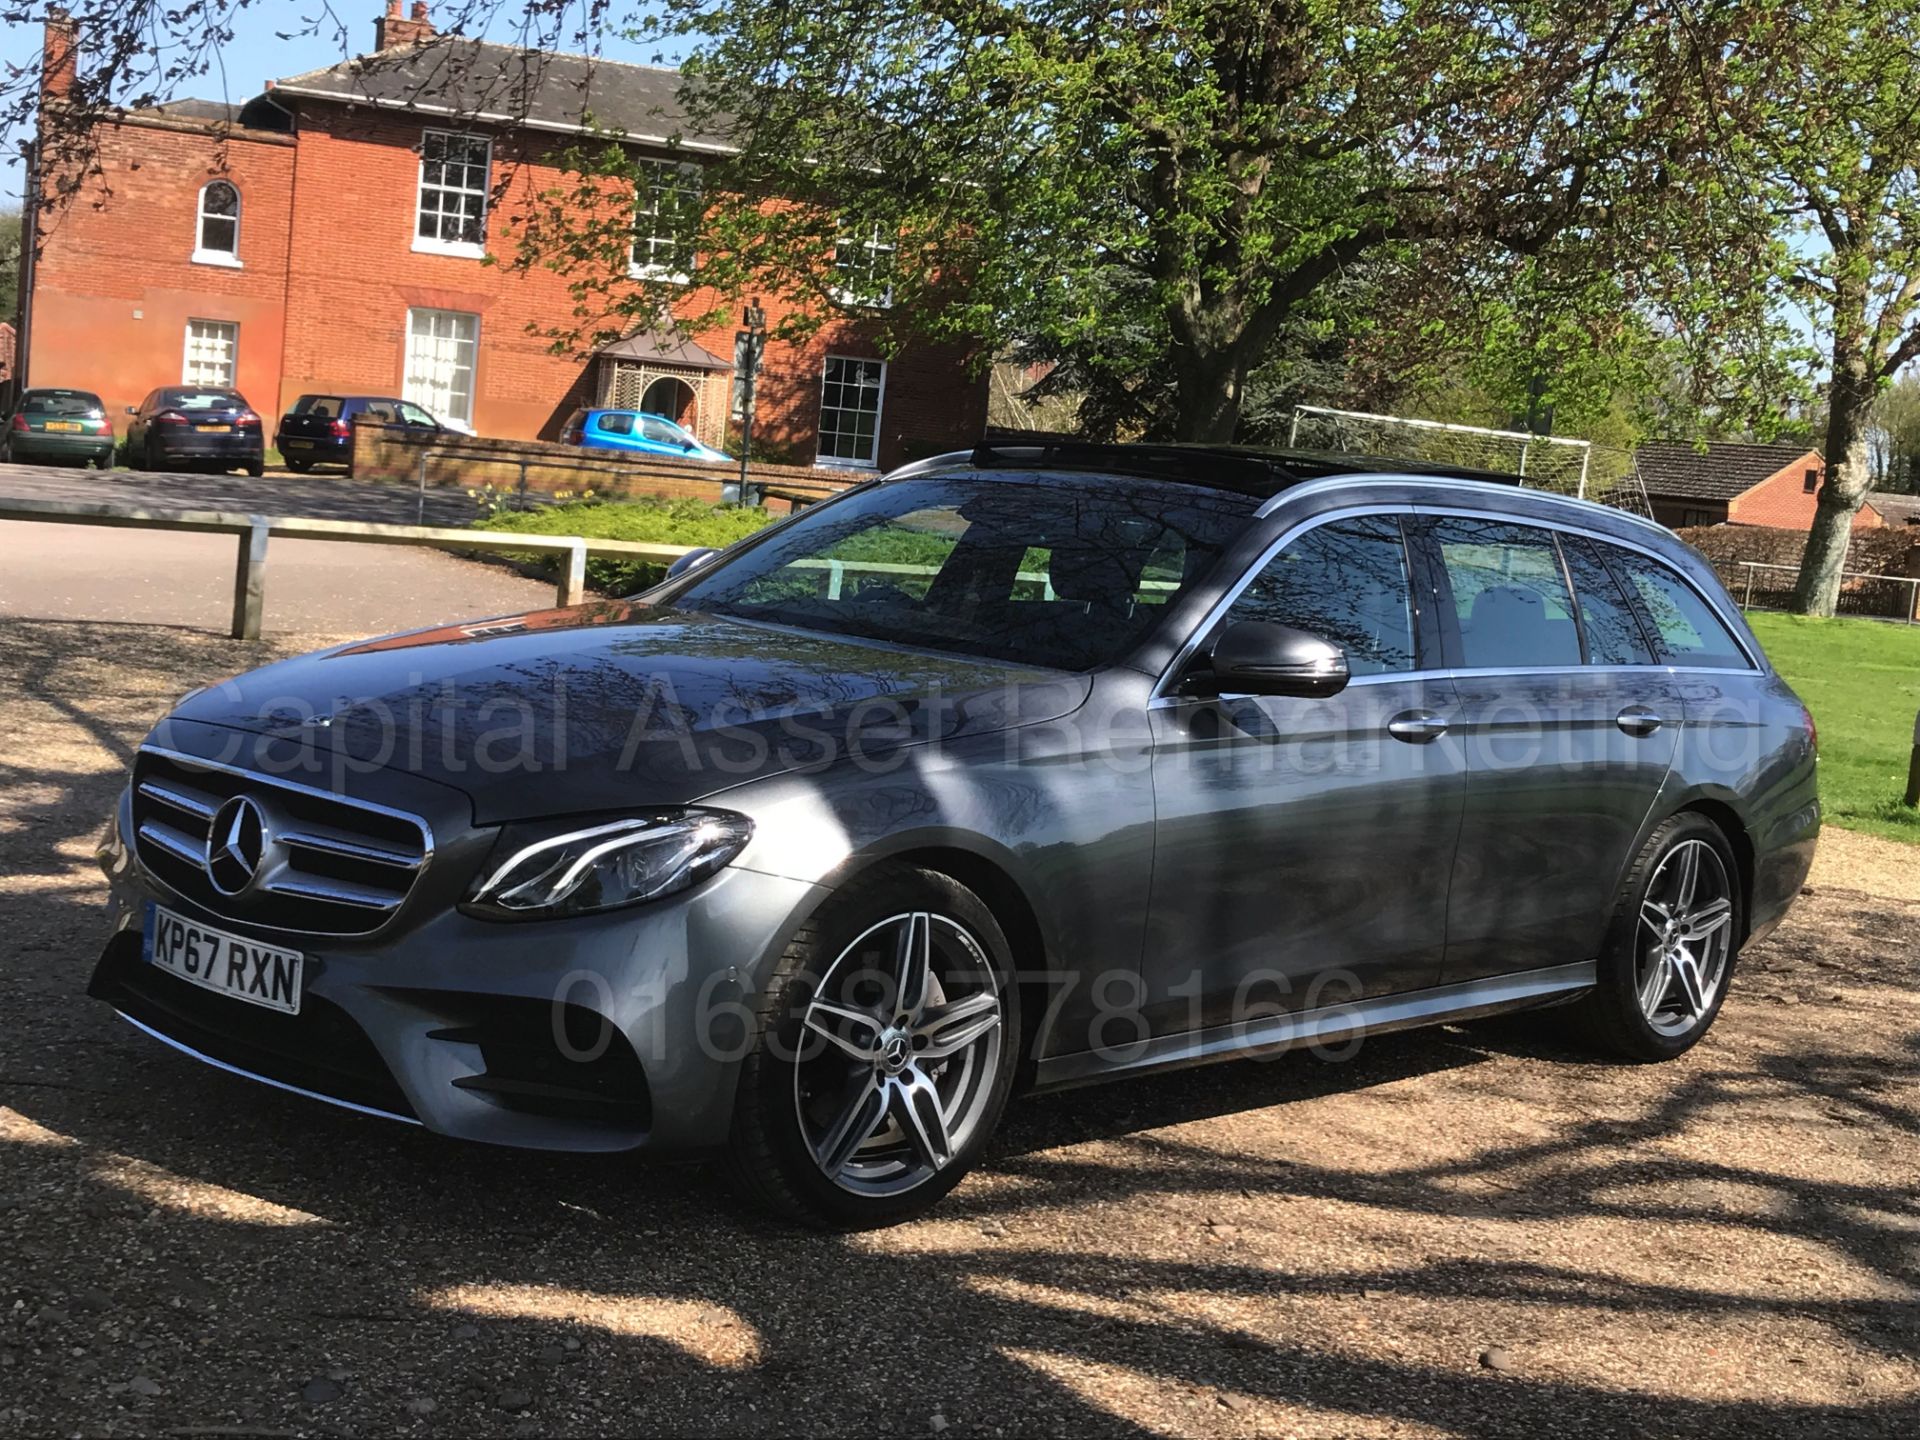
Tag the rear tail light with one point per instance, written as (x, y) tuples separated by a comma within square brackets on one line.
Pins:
[(1813, 730), (342, 430), (170, 417), (248, 420), (20, 423)]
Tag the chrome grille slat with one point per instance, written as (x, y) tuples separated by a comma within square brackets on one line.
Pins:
[(351, 849), (183, 848), (183, 801), (327, 864), (337, 891)]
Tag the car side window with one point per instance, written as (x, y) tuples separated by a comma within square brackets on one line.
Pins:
[(414, 415), (660, 432), (1614, 636), (1689, 634), (1345, 581), (614, 424), (1510, 595)]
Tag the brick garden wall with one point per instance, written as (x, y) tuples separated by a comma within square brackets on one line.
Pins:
[(392, 454)]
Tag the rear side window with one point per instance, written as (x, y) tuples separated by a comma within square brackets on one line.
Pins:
[(615, 424), (1689, 634), (1614, 636), (1510, 595), (1345, 581)]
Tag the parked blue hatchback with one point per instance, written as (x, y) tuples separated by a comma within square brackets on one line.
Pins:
[(635, 430)]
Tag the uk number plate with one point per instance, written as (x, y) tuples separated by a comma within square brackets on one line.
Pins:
[(227, 964)]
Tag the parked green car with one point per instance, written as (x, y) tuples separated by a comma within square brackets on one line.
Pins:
[(59, 426)]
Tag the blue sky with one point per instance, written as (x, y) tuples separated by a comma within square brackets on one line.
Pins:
[(257, 55)]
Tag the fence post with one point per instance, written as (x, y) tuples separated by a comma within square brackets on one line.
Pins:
[(1913, 768), (573, 576), (1747, 604), (250, 580)]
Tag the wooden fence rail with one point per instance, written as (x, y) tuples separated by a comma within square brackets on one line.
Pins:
[(254, 531)]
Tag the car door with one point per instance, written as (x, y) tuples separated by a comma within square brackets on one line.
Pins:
[(1302, 846), (1569, 731), (137, 424)]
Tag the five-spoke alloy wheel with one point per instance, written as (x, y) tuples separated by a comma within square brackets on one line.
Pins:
[(886, 1053), (1672, 944)]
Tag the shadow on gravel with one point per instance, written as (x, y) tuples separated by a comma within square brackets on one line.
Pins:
[(230, 1244)]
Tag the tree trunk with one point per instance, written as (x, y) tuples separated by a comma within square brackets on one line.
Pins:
[(1209, 388), (1849, 477)]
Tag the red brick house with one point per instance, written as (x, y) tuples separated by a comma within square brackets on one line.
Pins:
[(1736, 484), (331, 235)]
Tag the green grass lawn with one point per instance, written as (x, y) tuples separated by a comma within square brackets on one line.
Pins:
[(1861, 679)]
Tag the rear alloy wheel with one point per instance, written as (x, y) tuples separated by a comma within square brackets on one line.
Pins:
[(887, 1055), (1672, 946)]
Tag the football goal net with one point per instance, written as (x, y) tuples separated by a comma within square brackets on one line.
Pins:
[(1549, 462)]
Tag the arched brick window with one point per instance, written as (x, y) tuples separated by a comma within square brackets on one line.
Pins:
[(217, 237)]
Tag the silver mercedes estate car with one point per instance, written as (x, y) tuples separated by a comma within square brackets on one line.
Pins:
[(1009, 771)]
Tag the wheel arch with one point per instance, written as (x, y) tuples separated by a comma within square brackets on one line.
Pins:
[(1728, 821)]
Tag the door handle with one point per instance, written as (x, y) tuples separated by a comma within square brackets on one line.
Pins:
[(1416, 727), (1638, 720)]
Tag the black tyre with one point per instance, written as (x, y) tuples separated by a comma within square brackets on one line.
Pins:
[(149, 458), (300, 467), (1671, 944), (256, 468), (888, 1037)]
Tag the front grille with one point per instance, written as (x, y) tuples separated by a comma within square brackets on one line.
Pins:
[(286, 856)]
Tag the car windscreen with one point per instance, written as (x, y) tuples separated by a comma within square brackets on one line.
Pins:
[(1067, 572), (61, 402), (203, 400), (323, 407)]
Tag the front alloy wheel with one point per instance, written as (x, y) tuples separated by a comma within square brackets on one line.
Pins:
[(912, 1024), (886, 1052)]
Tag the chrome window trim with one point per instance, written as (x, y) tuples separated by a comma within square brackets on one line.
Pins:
[(1162, 687)]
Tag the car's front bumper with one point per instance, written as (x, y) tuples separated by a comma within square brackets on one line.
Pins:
[(490, 1031)]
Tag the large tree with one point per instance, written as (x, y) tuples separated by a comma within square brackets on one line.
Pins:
[(1182, 179), (1820, 104)]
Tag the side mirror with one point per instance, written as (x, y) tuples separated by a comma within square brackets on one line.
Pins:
[(692, 560), (133, 409), (1254, 657)]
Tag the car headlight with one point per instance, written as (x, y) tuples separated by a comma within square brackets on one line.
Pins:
[(535, 872)]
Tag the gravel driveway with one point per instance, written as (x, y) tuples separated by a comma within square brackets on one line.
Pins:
[(1469, 1231)]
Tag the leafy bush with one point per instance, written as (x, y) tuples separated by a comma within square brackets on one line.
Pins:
[(659, 522)]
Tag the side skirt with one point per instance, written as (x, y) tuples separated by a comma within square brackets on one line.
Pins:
[(1273, 1034)]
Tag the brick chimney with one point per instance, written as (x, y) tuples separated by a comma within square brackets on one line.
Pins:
[(393, 30), (59, 56)]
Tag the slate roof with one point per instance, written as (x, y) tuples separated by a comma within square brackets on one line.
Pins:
[(652, 347), (476, 80), (1896, 509), (1676, 470)]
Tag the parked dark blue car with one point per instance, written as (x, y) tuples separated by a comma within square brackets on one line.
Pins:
[(319, 428)]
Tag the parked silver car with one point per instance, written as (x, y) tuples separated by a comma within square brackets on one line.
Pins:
[(1012, 770)]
